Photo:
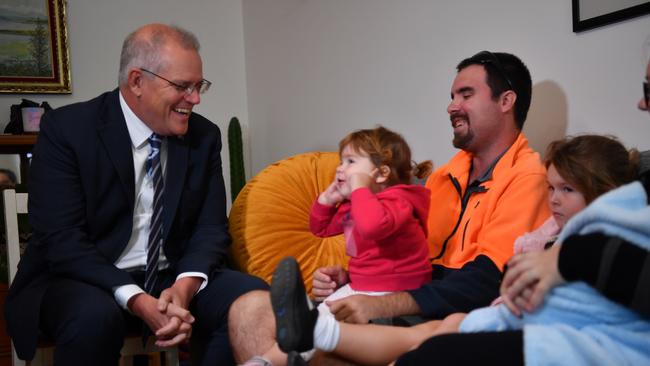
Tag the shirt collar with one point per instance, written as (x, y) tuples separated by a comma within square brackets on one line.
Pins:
[(487, 175), (138, 130), (460, 163)]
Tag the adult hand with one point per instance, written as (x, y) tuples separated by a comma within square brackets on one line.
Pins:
[(529, 278), (356, 308), (327, 280), (177, 330), (174, 329), (180, 293), (331, 196), (174, 302), (363, 308)]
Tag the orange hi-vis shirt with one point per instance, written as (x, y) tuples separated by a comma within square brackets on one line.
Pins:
[(507, 203)]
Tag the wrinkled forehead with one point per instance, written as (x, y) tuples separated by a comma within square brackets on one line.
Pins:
[(185, 64)]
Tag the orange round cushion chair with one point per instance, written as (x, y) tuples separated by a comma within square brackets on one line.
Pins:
[(269, 219)]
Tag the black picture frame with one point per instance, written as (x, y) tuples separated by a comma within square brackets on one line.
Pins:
[(583, 24)]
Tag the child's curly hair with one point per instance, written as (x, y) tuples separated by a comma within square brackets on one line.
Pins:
[(385, 147)]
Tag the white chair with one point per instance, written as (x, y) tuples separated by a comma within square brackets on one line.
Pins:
[(16, 204)]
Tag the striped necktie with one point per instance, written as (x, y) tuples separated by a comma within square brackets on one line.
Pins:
[(154, 171)]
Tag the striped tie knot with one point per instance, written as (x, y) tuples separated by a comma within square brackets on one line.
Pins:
[(155, 142)]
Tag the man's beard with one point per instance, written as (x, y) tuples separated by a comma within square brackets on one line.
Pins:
[(462, 141)]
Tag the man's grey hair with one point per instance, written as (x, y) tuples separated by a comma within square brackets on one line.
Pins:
[(139, 51)]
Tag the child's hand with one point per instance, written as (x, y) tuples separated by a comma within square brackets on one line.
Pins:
[(326, 280), (331, 196), (362, 180)]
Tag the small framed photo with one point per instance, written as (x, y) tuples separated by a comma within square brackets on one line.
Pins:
[(34, 54)]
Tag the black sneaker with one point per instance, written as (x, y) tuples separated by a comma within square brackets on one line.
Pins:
[(294, 320)]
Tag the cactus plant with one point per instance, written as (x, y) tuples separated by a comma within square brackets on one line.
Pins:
[(237, 173)]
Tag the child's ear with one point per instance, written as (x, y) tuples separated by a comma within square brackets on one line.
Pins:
[(384, 173)]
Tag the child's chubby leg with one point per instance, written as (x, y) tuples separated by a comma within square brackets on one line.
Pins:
[(372, 344), (450, 324), (299, 327)]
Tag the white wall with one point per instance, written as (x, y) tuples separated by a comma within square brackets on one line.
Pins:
[(318, 69), (313, 70), (96, 29)]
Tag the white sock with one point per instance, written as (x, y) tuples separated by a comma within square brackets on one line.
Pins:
[(257, 361), (308, 355), (326, 332)]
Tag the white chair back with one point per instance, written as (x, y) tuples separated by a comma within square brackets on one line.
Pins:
[(16, 204)]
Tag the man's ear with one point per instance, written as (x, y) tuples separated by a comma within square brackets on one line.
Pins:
[(135, 80), (383, 174), (508, 99)]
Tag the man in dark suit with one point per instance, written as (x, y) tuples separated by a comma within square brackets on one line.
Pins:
[(92, 205)]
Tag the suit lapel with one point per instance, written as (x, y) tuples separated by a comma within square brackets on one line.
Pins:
[(177, 160), (115, 137)]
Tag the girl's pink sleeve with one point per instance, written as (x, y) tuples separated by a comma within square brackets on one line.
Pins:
[(325, 220)]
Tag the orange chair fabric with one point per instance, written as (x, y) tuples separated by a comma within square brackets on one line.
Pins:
[(270, 218)]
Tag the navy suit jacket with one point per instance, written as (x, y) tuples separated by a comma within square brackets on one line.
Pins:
[(81, 200)]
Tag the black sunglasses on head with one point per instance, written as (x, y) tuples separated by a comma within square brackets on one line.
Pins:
[(646, 94), (487, 57)]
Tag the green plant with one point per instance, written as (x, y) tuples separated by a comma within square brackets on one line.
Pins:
[(235, 148)]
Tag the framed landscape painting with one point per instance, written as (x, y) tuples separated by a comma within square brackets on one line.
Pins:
[(34, 47)]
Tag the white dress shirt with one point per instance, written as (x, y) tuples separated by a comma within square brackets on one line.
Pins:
[(134, 256)]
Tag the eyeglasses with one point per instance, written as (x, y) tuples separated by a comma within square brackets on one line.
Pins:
[(646, 94), (487, 57), (202, 86)]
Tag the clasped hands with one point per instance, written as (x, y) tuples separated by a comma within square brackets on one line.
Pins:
[(530, 276), (168, 316)]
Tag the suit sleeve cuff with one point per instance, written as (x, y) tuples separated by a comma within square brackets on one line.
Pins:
[(203, 276), (124, 293)]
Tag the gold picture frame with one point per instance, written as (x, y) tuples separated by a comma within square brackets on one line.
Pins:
[(34, 54)]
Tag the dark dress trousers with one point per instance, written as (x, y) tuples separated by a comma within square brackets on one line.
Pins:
[(81, 201)]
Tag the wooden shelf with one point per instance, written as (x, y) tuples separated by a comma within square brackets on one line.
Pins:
[(17, 144)]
